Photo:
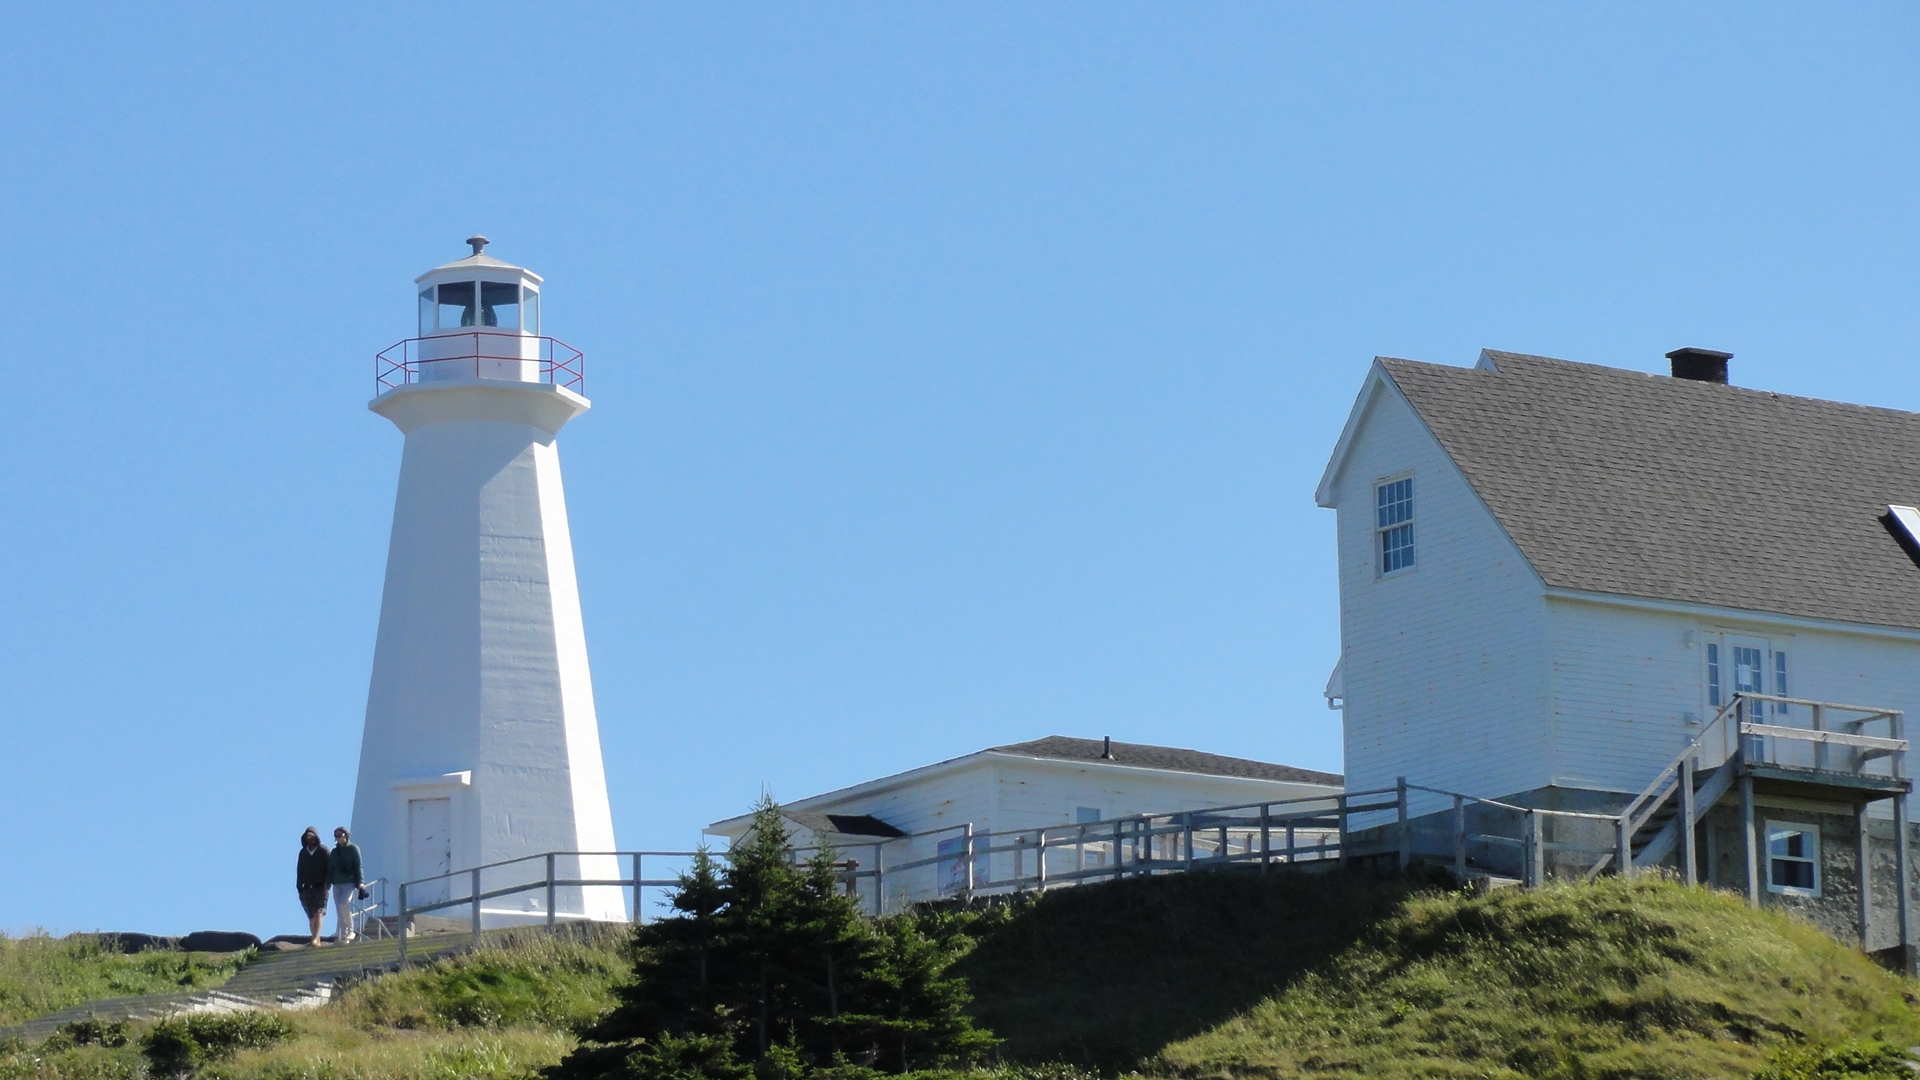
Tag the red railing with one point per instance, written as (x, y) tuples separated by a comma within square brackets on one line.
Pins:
[(479, 354)]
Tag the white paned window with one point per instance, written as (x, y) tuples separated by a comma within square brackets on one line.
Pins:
[(1750, 676), (1793, 858), (1780, 679), (1086, 815), (952, 853), (1714, 697), (1393, 523)]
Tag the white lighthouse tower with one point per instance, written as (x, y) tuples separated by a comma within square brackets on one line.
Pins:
[(481, 743)]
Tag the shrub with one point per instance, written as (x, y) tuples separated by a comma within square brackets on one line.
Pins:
[(1868, 1060), (176, 1047)]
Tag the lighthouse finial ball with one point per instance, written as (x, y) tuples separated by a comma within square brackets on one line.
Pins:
[(478, 242)]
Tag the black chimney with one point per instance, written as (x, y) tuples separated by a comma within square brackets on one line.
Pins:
[(1700, 365), (1106, 748)]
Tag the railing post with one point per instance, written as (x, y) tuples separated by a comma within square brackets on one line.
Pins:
[(1340, 812), (1400, 814), (1266, 835), (1119, 852), (473, 890), (1460, 839), (879, 880), (1749, 842), (403, 924), (1186, 824), (551, 914), (1820, 756), (1623, 844), (637, 879), (1290, 854), (1689, 858), (1536, 848), (1863, 854), (1903, 908), (1040, 861), (969, 836)]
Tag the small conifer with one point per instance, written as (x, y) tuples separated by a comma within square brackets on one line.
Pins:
[(765, 967)]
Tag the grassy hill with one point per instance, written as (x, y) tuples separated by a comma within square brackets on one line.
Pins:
[(1346, 976), (1217, 976), (41, 974)]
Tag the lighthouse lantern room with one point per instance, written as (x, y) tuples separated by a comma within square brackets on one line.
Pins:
[(481, 744)]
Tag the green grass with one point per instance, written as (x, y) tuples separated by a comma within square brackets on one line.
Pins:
[(41, 974), (1108, 976), (1613, 979), (498, 1013), (1219, 977), (1344, 975)]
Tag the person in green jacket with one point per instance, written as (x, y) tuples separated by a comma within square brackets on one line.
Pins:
[(343, 873)]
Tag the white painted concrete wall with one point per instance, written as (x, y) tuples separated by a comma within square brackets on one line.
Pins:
[(480, 667), (1445, 664)]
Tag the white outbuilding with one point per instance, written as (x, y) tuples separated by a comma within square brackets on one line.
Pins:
[(481, 744), (932, 811)]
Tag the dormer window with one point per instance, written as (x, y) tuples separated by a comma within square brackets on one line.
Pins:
[(1393, 523)]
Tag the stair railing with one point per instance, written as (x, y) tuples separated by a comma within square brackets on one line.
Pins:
[(1676, 777)]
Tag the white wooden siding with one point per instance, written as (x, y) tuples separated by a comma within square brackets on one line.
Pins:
[(1445, 665), (999, 793), (1625, 680)]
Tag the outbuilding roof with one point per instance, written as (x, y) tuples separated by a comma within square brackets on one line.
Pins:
[(1622, 482), (1141, 755)]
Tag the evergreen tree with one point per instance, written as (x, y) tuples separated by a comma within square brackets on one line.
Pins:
[(766, 967)]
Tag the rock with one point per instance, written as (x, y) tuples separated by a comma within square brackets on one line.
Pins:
[(218, 941), (124, 942), (277, 945)]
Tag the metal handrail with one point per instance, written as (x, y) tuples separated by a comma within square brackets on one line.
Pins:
[(550, 881), (560, 363)]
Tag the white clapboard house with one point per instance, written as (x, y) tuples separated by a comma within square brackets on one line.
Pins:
[(936, 810), (1556, 577)]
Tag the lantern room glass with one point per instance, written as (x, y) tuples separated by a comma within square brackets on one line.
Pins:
[(457, 304), (530, 309), (500, 304)]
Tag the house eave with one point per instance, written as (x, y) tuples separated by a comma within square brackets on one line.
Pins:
[(1728, 614)]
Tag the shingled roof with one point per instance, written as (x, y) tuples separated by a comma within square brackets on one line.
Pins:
[(1615, 481), (1067, 748)]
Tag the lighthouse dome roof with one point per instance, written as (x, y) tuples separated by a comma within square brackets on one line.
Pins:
[(477, 261)]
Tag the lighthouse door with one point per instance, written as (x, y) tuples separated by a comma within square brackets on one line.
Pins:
[(429, 847)]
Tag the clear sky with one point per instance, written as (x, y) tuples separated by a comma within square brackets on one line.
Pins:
[(961, 372)]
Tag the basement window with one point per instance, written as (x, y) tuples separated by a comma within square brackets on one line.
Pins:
[(1393, 523), (1793, 858)]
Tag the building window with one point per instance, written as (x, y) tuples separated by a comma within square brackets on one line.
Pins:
[(1780, 679), (1793, 859), (1393, 523), (1086, 815), (1713, 675), (952, 853)]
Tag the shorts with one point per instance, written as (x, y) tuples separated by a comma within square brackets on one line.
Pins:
[(314, 901)]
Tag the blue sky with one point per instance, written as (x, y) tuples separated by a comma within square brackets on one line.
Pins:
[(961, 373)]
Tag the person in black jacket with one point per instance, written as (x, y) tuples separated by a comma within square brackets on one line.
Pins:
[(311, 879)]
